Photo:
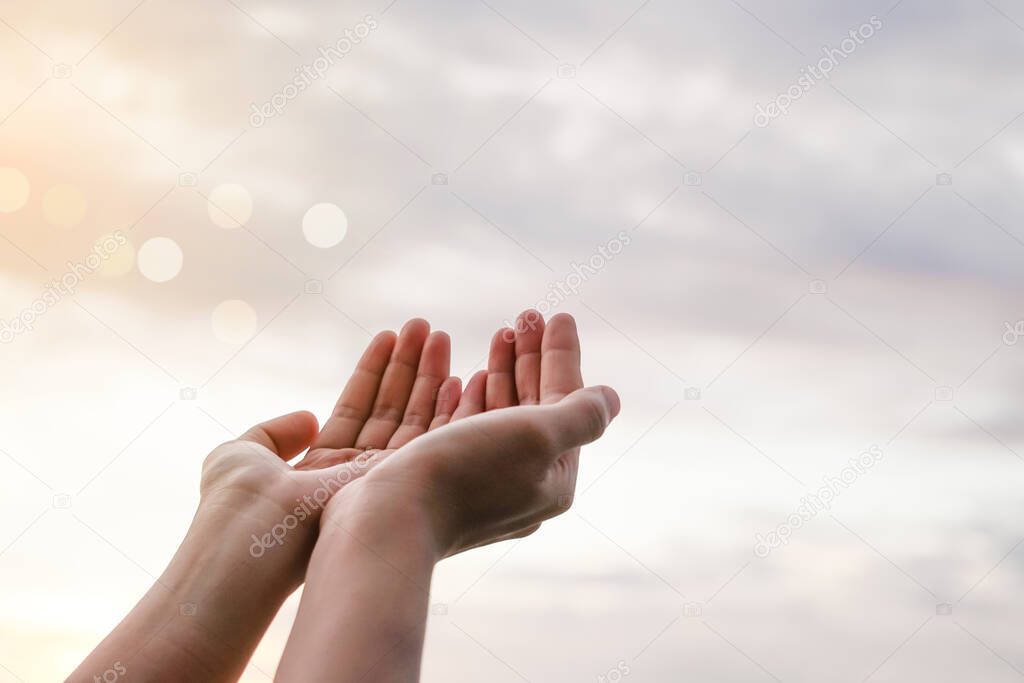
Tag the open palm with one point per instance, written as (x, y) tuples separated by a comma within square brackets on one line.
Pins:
[(494, 464), (400, 389)]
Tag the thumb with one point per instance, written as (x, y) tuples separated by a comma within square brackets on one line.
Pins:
[(287, 435), (582, 416)]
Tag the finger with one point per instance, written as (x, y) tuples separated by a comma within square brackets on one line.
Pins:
[(580, 418), (448, 397), (435, 365), (501, 371), (528, 531), (395, 387), (345, 471), (287, 436), (472, 400), (326, 457), (356, 401), (529, 334), (511, 536), (560, 359)]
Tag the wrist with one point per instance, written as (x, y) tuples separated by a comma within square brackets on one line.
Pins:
[(262, 539), (218, 594), (364, 606), (380, 516), (226, 587), (207, 611)]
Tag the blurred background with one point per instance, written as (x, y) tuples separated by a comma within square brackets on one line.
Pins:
[(786, 244)]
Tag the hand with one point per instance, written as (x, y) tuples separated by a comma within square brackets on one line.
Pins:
[(506, 461), (508, 465), (249, 544), (399, 390)]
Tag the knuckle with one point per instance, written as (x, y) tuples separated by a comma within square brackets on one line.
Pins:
[(415, 418), (553, 506), (210, 462), (530, 531), (346, 412), (387, 413), (219, 454), (593, 417)]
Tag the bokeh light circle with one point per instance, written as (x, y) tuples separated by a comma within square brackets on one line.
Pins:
[(230, 206), (14, 190), (65, 206), (160, 259), (234, 321), (325, 225), (118, 255)]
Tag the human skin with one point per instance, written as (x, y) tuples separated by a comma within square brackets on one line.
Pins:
[(495, 473), (242, 556)]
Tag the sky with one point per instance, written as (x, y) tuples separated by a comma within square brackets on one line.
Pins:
[(789, 232)]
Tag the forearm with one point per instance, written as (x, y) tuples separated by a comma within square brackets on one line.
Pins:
[(364, 608), (206, 613)]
